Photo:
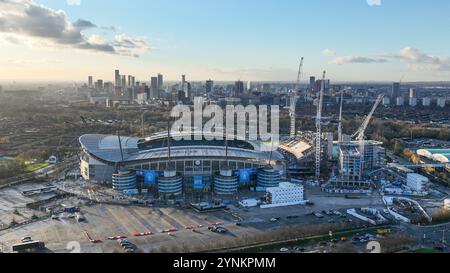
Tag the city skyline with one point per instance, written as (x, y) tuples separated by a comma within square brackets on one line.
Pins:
[(57, 40)]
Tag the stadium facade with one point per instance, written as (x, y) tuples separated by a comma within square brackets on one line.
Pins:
[(193, 160)]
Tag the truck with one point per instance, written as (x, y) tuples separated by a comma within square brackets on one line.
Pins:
[(383, 231)]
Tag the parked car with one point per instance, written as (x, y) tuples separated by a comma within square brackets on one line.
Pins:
[(26, 239)]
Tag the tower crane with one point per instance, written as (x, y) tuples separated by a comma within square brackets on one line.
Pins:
[(319, 127), (293, 98), (360, 134), (340, 118)]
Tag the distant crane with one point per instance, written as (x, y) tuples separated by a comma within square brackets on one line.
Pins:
[(360, 134), (340, 118), (293, 98), (319, 127)]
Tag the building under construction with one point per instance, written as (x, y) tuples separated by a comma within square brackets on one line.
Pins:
[(353, 167)]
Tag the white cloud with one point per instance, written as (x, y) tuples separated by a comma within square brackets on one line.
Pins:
[(25, 20), (356, 59), (374, 2), (416, 59), (328, 52), (73, 2)]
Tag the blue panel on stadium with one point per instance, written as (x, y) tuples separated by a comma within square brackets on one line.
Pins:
[(198, 182), (245, 175), (150, 177)]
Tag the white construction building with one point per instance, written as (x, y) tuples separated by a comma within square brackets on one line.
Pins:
[(416, 182), (287, 194), (441, 102)]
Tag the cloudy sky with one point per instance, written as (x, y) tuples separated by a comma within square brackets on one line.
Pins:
[(354, 40)]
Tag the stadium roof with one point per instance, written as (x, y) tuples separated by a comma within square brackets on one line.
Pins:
[(106, 147)]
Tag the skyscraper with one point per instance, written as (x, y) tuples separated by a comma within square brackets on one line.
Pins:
[(90, 82), (99, 85), (183, 81), (154, 87), (395, 90), (117, 79), (209, 86), (412, 93), (188, 91), (124, 83), (238, 88), (154, 83), (312, 83), (160, 81), (129, 81)]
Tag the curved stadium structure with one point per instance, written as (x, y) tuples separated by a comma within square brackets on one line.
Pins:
[(101, 155)]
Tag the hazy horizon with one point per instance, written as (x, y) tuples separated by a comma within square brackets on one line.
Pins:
[(254, 40)]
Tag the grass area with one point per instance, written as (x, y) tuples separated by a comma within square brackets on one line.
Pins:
[(427, 251), (36, 166), (300, 241)]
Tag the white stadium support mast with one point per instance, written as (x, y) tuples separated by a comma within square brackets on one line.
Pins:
[(293, 99), (319, 127)]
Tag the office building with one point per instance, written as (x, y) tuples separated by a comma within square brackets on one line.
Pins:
[(154, 91), (412, 93), (124, 83), (129, 81), (353, 167), (238, 89), (249, 86), (209, 86), (90, 82), (312, 83), (160, 82), (99, 85), (188, 91), (400, 101), (117, 79), (426, 102), (395, 92), (412, 101), (183, 81)]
